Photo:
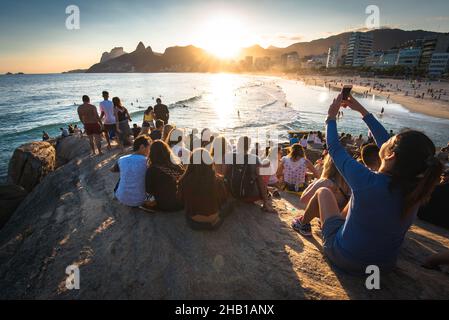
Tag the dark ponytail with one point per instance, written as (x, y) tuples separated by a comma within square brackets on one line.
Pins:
[(416, 170)]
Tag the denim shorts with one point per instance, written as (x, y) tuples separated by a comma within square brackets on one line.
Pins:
[(329, 233)]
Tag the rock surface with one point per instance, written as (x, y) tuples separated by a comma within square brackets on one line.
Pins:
[(115, 53), (71, 218), (30, 163), (10, 198), (70, 148)]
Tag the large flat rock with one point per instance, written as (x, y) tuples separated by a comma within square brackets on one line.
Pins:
[(123, 253)]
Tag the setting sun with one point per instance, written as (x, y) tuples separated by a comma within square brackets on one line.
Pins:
[(222, 36)]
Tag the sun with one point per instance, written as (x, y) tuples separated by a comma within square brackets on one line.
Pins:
[(222, 36)]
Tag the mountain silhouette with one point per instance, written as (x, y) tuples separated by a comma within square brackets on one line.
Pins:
[(194, 59)]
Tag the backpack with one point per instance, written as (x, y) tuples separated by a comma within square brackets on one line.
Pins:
[(241, 179)]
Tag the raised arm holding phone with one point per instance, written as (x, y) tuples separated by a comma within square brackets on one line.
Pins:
[(383, 204)]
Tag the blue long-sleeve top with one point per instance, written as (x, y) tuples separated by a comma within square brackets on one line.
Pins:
[(374, 229)]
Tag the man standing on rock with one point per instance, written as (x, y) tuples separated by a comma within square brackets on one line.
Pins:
[(161, 111), (88, 115), (107, 112)]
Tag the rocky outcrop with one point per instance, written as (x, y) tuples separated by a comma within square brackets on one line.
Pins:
[(70, 148), (30, 163), (10, 198), (115, 53), (141, 60), (71, 218)]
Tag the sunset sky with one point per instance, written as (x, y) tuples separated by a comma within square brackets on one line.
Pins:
[(34, 38)]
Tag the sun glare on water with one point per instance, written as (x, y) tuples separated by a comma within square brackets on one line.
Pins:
[(222, 36)]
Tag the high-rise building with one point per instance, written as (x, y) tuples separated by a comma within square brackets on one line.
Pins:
[(439, 64), (290, 60), (409, 57), (335, 56), (373, 59), (360, 46), (431, 45), (388, 59)]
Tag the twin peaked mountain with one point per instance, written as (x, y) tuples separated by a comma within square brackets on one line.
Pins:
[(193, 59), (143, 59)]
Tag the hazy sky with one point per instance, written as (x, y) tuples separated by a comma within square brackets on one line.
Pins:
[(34, 39)]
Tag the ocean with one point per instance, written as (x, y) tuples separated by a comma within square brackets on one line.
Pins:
[(227, 103)]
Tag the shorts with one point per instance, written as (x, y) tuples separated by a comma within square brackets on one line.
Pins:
[(332, 251), (292, 187), (110, 129), (93, 128)]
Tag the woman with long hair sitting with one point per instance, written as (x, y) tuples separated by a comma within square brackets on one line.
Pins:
[(383, 204), (293, 169), (162, 177), (203, 193), (331, 179), (175, 141), (220, 150)]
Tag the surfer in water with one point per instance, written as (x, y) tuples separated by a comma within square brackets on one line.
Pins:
[(382, 111)]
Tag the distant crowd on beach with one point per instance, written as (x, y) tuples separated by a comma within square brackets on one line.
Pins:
[(365, 192), (413, 88)]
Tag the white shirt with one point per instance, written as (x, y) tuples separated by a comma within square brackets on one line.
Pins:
[(131, 188), (107, 107), (304, 142)]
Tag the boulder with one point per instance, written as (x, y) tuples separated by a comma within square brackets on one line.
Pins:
[(70, 148), (10, 198), (30, 163), (71, 218)]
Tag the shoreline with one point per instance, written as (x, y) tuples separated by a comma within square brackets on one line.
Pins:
[(426, 106), (430, 107)]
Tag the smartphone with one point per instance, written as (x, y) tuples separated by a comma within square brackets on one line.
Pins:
[(346, 91)]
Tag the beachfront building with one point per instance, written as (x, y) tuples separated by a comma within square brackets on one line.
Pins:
[(373, 60), (439, 64), (388, 59), (359, 47), (409, 57), (290, 60), (335, 56), (315, 62), (431, 45)]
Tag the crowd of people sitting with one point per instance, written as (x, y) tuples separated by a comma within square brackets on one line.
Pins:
[(365, 193)]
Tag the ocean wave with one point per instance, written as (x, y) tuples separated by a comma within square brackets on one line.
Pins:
[(35, 132), (186, 101), (252, 85), (269, 104)]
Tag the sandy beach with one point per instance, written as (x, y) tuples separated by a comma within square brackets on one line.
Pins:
[(404, 92)]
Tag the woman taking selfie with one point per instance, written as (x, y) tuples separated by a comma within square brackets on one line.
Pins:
[(383, 204)]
